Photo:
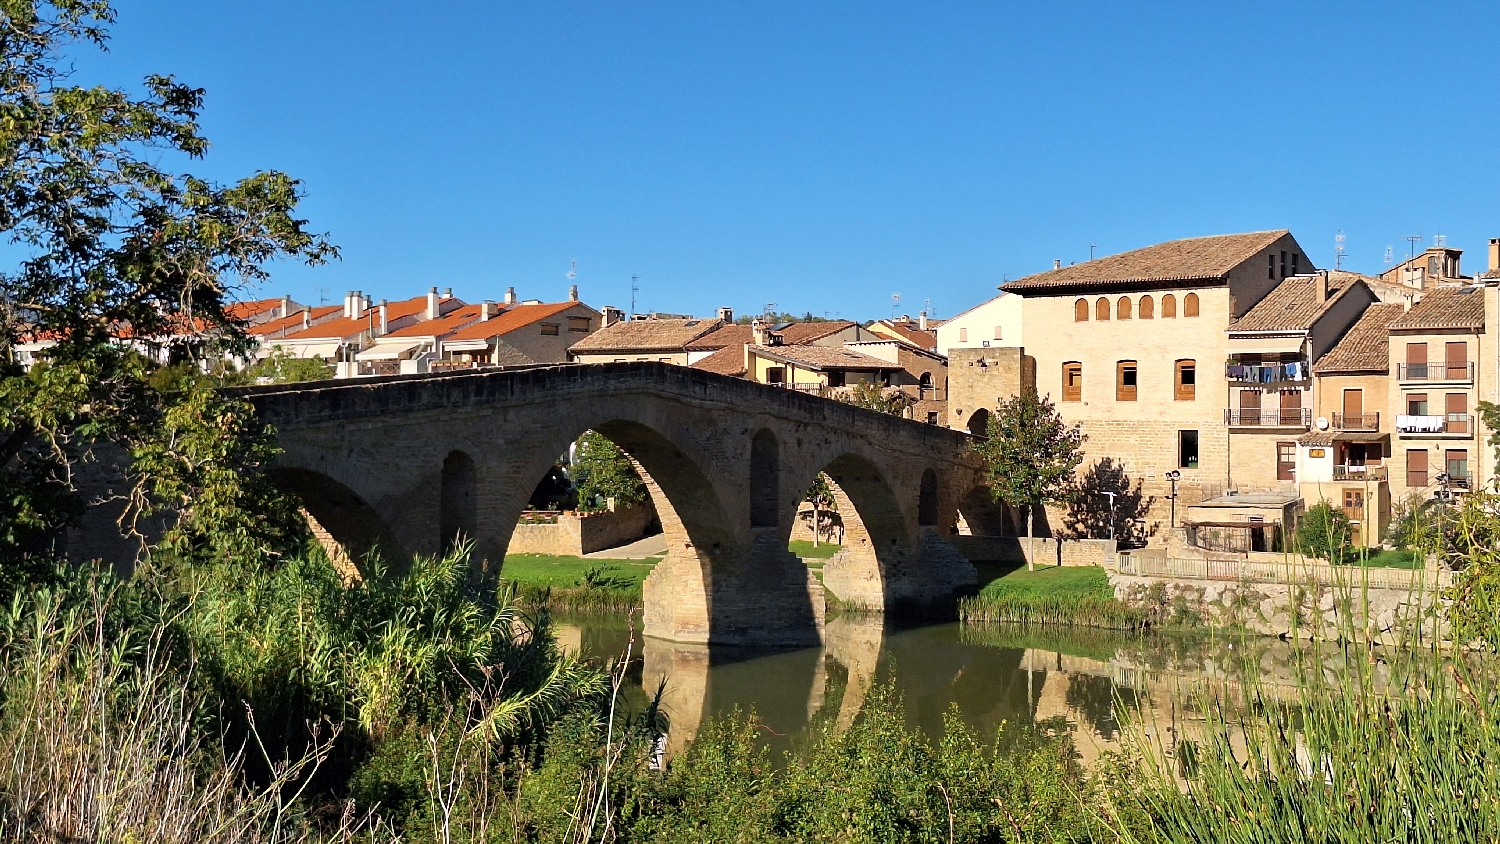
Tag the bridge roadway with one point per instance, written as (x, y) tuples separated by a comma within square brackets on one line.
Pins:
[(412, 463)]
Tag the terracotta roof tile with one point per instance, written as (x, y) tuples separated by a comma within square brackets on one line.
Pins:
[(1446, 307), (1193, 259), (722, 337), (514, 317), (729, 360), (1316, 438), (442, 326), (799, 333), (1293, 305), (291, 324), (249, 310), (822, 357), (645, 334), (343, 327), (915, 336), (1366, 346)]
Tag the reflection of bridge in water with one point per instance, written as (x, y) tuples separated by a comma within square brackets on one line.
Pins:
[(414, 463)]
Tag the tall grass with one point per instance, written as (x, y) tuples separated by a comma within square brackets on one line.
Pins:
[(1075, 610)]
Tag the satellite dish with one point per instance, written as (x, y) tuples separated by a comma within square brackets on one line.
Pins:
[(1322, 423)]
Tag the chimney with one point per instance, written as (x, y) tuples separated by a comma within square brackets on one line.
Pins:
[(510, 295), (432, 304), (726, 314), (1056, 263), (922, 321), (447, 293), (612, 315), (1323, 286), (1495, 253), (349, 304), (307, 319), (572, 293), (384, 318), (758, 332), (286, 307)]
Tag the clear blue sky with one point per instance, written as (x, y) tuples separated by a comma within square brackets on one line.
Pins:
[(825, 155)]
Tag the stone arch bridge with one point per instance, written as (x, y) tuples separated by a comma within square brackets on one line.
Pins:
[(412, 463)]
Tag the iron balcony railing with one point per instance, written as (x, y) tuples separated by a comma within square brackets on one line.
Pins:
[(1342, 472), (1435, 371), (1356, 421), (1286, 417), (1448, 424)]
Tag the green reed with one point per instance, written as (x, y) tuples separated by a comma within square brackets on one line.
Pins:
[(1076, 610)]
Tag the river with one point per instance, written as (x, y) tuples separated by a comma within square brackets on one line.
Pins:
[(990, 674)]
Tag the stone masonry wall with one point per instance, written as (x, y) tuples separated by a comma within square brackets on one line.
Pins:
[(1047, 551), (576, 534)]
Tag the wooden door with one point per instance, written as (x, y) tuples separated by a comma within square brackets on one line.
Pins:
[(1456, 413), (1416, 360), (1249, 407), (1354, 504), (1286, 461), (1354, 408), (1457, 358), (1291, 407)]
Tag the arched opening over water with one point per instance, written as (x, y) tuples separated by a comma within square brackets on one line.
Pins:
[(458, 517), (344, 523), (979, 514), (853, 495)]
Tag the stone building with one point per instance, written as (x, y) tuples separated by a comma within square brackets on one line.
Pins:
[(525, 333), (995, 322)]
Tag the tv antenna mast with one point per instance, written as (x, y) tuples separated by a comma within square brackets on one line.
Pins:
[(1338, 250), (572, 272), (322, 296), (895, 302), (634, 289), (1092, 247), (927, 308), (1411, 251), (1388, 256)]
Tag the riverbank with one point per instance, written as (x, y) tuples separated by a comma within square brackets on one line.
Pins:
[(1079, 596)]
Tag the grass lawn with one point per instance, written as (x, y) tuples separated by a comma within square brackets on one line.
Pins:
[(806, 551), (1050, 582), (1390, 558), (545, 570)]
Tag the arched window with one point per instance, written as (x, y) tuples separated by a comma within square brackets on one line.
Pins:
[(1190, 305), (1072, 377), (924, 384), (1169, 307), (1101, 309), (1147, 308), (1124, 309), (1081, 310)]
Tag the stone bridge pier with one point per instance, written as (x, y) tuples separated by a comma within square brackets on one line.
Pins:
[(415, 464)]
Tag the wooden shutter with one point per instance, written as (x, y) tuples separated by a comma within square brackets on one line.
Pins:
[(1126, 380), (1169, 307), (1291, 407), (1190, 305), (1416, 468), (1072, 382), (1457, 358), (1101, 309), (1416, 360), (1354, 406), (1081, 311), (1456, 411), (1187, 380)]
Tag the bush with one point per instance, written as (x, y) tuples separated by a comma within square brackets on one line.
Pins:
[(1324, 532)]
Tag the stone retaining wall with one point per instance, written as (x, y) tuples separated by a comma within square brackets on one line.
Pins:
[(1045, 551), (576, 534)]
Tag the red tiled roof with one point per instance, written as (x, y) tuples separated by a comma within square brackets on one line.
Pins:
[(729, 360), (799, 333), (517, 316), (1294, 304), (729, 334), (440, 327), (1366, 346), (1204, 259), (915, 336), (342, 327), (823, 357), (1445, 307), (247, 310), (291, 323), (646, 335)]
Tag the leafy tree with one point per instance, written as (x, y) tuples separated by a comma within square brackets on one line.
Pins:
[(601, 471), (123, 265), (820, 496), (1324, 531), (1489, 412), (875, 397), (1029, 454), (1090, 511), (282, 367)]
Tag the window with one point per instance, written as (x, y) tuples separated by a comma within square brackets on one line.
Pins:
[(1169, 307), (1457, 359), (1286, 461), (1296, 258), (1456, 413), (997, 333), (963, 335), (1416, 467), (1283, 263), (1416, 404), (775, 375), (1416, 360), (578, 323), (1125, 375), (932, 417), (1250, 407), (1147, 307), (924, 384), (1187, 449), (1081, 310), (1271, 265), (1190, 305), (1186, 381), (550, 329), (1072, 382), (1457, 463), (1101, 309), (1124, 307), (664, 360)]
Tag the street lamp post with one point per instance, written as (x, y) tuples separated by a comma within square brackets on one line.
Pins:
[(1174, 476)]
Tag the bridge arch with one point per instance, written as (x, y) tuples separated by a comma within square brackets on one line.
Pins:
[(351, 524), (875, 532), (927, 500)]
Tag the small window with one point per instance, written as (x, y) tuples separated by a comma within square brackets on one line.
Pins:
[(1416, 404), (1456, 413), (1169, 307), (664, 360), (775, 375), (578, 323), (550, 329), (1081, 310), (1187, 381), (932, 417), (1416, 467), (620, 360), (1147, 308), (1124, 308), (1456, 463), (1190, 305), (1187, 449), (1296, 259), (997, 333), (1072, 381), (1125, 381), (1283, 263), (1271, 265), (1101, 309), (963, 335)]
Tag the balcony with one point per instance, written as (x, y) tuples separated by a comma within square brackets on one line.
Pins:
[(1356, 421), (1451, 424), (1273, 372), (1452, 372), (1373, 474), (1287, 417)]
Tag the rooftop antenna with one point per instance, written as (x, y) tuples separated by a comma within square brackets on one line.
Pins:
[(927, 308), (1092, 246), (322, 296), (1411, 251), (1440, 240), (572, 272), (634, 289), (895, 302), (1388, 256), (1338, 250), (771, 309)]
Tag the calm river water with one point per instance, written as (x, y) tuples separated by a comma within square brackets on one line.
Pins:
[(991, 674)]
